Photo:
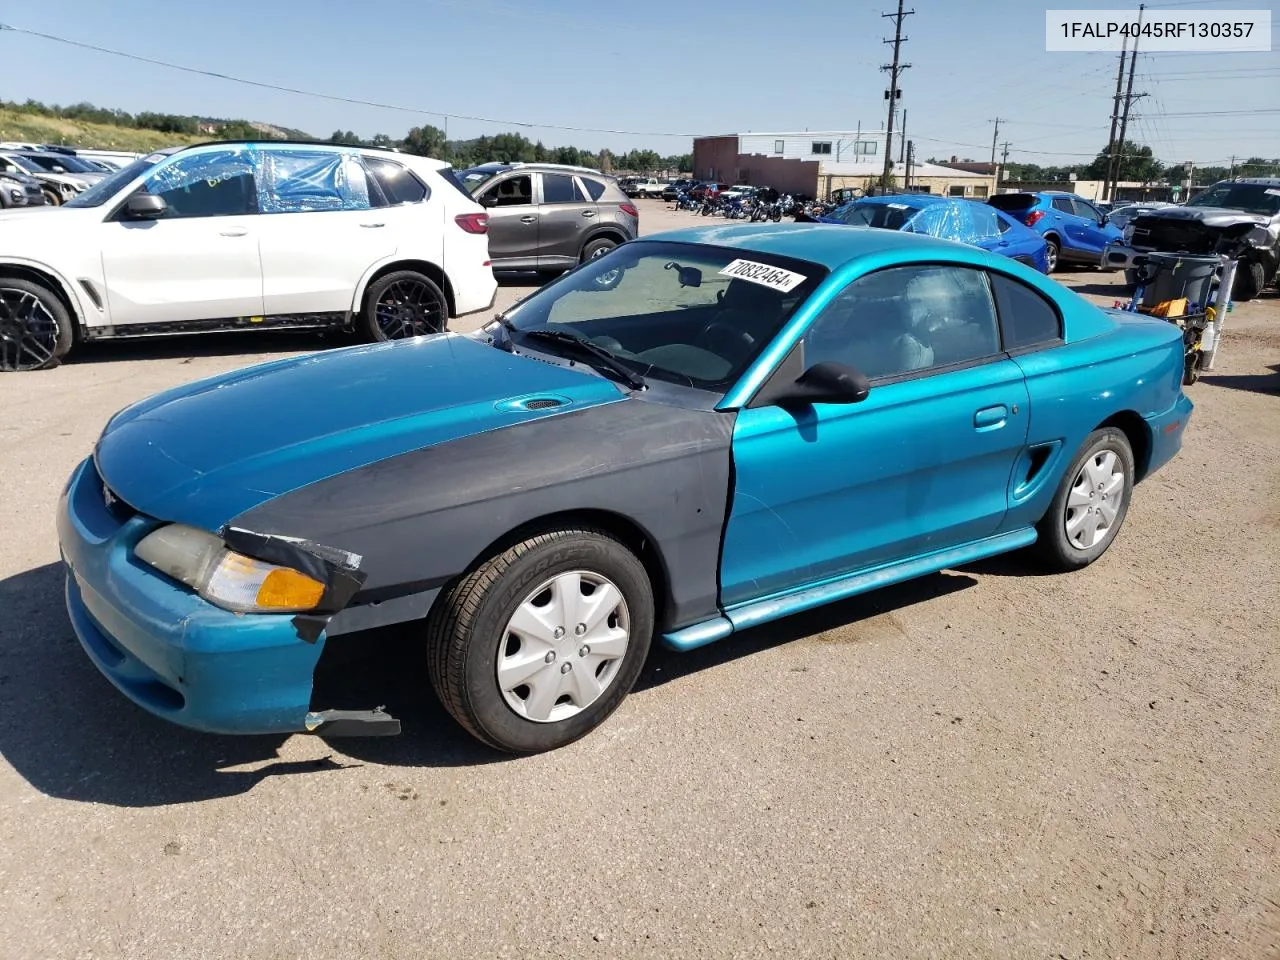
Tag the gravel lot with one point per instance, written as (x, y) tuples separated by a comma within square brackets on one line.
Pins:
[(982, 763)]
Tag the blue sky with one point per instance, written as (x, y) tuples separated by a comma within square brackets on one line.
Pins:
[(717, 66)]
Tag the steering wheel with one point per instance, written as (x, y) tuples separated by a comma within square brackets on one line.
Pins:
[(725, 336)]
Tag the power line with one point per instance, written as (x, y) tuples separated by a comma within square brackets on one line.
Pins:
[(4, 27)]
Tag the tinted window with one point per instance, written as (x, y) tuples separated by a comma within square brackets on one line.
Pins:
[(1013, 202), (216, 184), (594, 187), (1251, 197), (1026, 317), (1064, 205), (397, 183), (559, 188), (1085, 210), (907, 319), (512, 192)]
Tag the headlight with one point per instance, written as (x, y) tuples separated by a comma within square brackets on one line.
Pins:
[(226, 578)]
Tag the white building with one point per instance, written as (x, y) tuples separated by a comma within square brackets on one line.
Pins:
[(829, 145)]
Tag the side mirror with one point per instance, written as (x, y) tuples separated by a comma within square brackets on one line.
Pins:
[(688, 276), (489, 200), (59, 168), (145, 206), (827, 383)]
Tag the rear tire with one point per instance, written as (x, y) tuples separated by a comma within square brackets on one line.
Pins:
[(401, 305), (52, 197), (597, 248), (1090, 504), (496, 661), (1052, 250), (36, 329)]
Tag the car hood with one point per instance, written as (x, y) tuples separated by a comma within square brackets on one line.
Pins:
[(203, 453), (1209, 216), (21, 227)]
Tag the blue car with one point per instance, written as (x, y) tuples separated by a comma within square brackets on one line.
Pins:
[(947, 218), (697, 433), (1076, 231)]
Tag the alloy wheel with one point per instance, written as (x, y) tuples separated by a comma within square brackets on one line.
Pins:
[(409, 308), (28, 332), (563, 646)]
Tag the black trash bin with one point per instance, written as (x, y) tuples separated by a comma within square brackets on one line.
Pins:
[(1170, 276)]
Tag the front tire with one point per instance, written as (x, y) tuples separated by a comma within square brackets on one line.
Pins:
[(538, 645), (1250, 280), (36, 330), (1091, 502), (403, 304)]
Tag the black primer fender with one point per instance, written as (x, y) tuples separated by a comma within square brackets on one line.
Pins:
[(422, 518)]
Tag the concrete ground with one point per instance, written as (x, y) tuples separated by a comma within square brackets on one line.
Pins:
[(982, 763)]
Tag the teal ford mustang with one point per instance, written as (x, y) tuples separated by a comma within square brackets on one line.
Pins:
[(698, 432)]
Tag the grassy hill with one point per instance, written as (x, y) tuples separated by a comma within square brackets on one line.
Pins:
[(39, 128)]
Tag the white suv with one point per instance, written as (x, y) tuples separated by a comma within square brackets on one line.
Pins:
[(238, 235)]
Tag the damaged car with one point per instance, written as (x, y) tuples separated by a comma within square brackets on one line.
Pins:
[(692, 435), (1236, 218)]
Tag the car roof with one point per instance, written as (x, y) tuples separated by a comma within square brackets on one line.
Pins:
[(827, 244), (271, 142), (917, 199)]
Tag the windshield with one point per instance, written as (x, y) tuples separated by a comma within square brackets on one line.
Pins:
[(686, 313), (67, 163), (475, 178), (107, 187), (887, 216), (1249, 197), (22, 163)]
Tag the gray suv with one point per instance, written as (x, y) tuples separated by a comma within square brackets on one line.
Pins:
[(548, 217)]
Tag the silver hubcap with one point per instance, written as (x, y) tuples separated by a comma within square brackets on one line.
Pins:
[(1051, 254), (563, 646), (1095, 500)]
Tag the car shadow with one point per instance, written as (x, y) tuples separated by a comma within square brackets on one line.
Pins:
[(1268, 383), (666, 665), (191, 345), (71, 735), (1117, 290)]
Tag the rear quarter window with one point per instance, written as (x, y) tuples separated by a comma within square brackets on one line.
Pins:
[(1027, 319), (398, 184), (595, 189)]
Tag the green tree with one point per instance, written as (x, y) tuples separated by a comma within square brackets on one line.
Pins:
[(425, 141), (1133, 162)]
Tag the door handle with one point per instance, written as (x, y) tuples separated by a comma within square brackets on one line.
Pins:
[(233, 232), (991, 418), (372, 226), (528, 219), (588, 213)]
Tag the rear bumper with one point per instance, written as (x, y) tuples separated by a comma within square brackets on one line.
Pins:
[(162, 646), (1167, 430)]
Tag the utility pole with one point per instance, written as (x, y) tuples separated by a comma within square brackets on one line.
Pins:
[(994, 136), (1115, 118), (893, 93), (1128, 101), (1232, 174), (1004, 157), (902, 138), (911, 156)]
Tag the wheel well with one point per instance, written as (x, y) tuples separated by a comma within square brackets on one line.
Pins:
[(609, 233), (34, 275), (1139, 435), (626, 531), (1054, 237), (421, 266)]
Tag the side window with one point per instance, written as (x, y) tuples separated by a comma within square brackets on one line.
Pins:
[(1064, 205), (594, 187), (310, 181), (558, 188), (512, 192), (1002, 224), (903, 320), (1026, 318), (215, 184), (1085, 210), (398, 185)]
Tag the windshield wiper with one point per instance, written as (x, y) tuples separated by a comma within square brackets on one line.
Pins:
[(604, 360)]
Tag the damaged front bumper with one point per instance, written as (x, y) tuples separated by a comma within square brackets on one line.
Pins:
[(173, 653)]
